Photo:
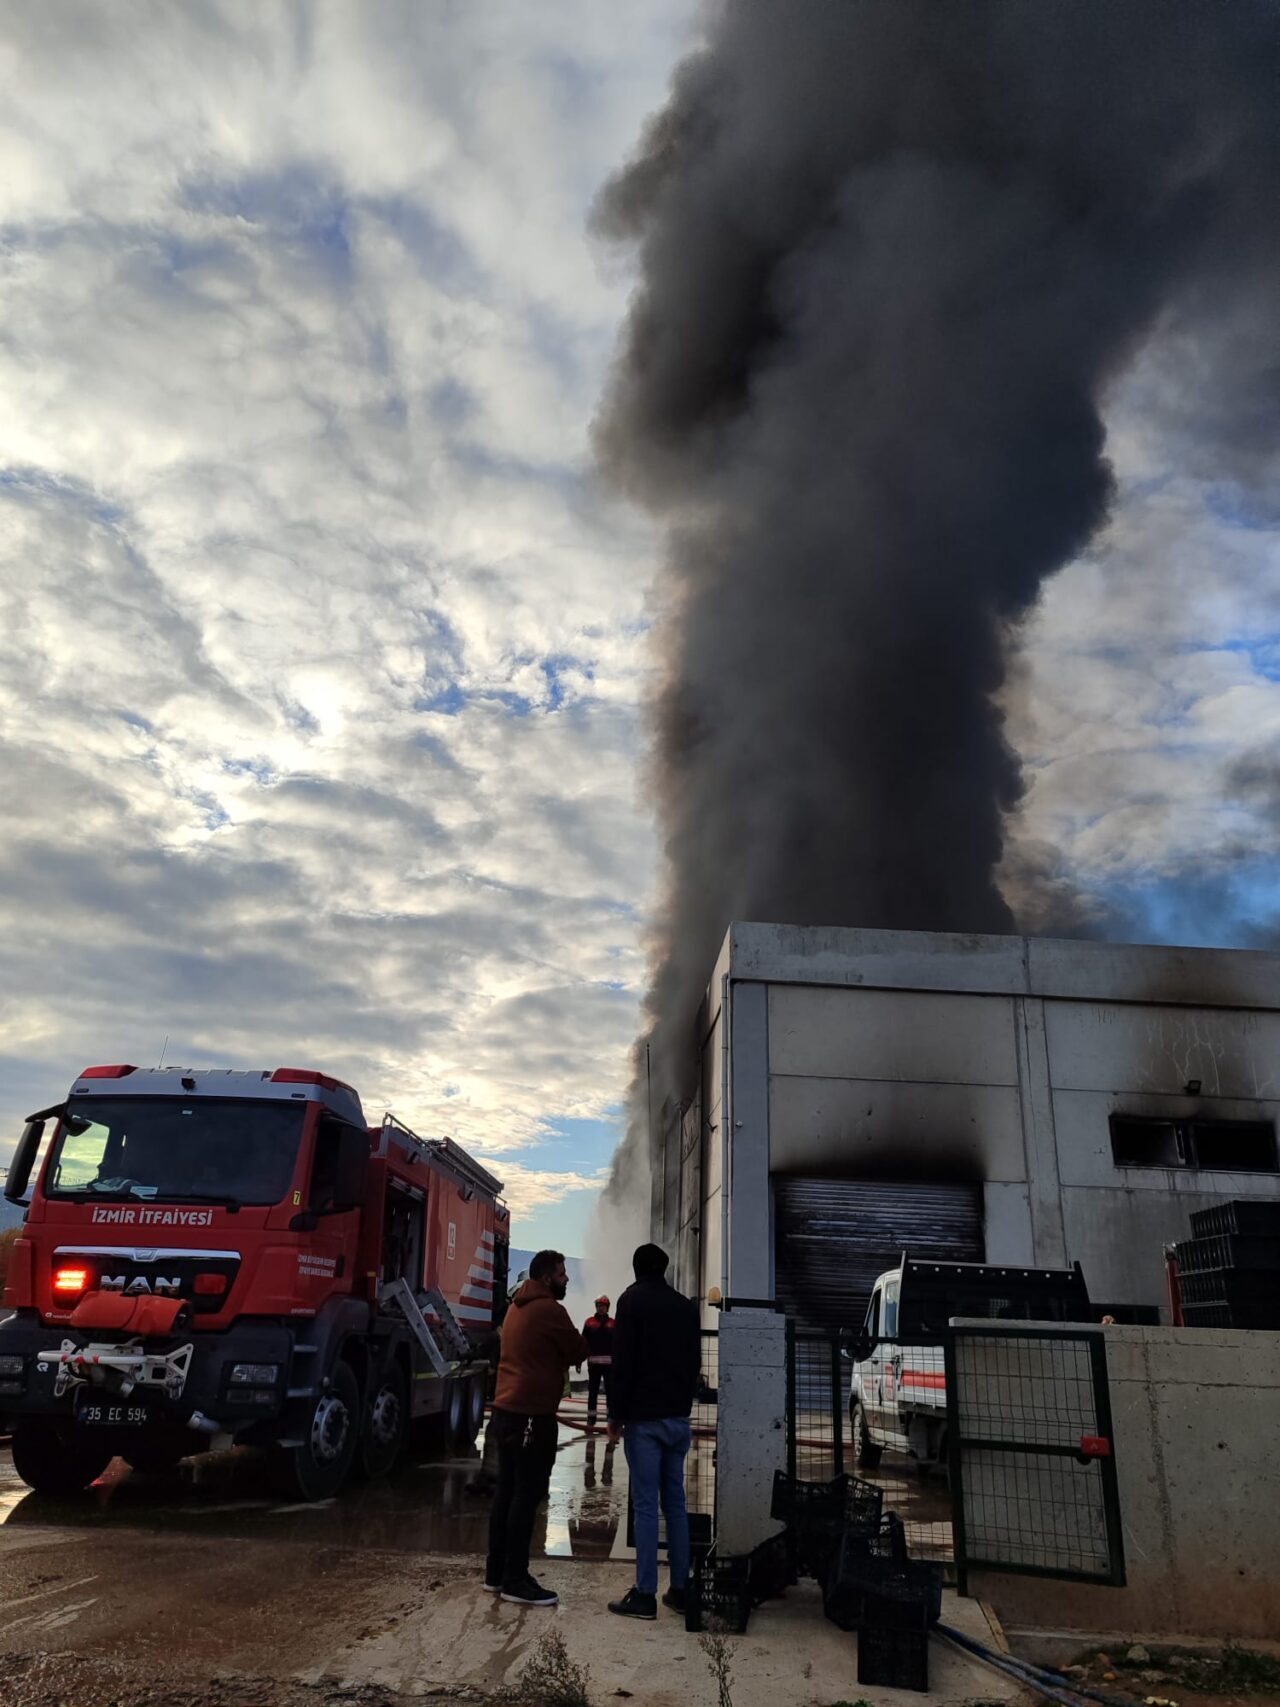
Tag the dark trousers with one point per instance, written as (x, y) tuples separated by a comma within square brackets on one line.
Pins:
[(597, 1377), (526, 1453)]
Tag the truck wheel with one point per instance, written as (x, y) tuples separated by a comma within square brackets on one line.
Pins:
[(317, 1468), (471, 1411), (455, 1416), (57, 1457), (868, 1451), (386, 1425)]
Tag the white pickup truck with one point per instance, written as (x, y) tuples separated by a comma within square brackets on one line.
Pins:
[(898, 1392)]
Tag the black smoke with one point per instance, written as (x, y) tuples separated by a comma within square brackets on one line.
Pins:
[(892, 255)]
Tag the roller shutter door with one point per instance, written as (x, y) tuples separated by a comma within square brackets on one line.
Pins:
[(834, 1236)]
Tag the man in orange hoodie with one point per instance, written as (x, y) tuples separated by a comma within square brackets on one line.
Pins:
[(539, 1346)]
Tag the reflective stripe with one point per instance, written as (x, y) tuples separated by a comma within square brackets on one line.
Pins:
[(920, 1378)]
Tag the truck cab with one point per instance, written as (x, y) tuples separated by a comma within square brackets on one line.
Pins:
[(898, 1386)]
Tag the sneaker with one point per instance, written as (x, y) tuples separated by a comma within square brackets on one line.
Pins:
[(635, 1605), (529, 1593), (674, 1598), (491, 1588)]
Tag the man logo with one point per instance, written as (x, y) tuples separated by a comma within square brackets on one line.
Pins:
[(132, 1288)]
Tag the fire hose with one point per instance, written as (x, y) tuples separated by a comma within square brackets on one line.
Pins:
[(1051, 1684)]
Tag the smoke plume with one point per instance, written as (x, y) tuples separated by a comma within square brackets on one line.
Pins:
[(892, 254)]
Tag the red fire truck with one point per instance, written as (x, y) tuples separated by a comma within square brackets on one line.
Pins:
[(212, 1257)]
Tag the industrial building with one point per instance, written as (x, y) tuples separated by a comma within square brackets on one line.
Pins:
[(999, 1099)]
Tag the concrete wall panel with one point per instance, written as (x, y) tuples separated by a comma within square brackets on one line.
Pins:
[(1118, 1238), (1106, 1046), (891, 1034), (1008, 1223), (860, 1126)]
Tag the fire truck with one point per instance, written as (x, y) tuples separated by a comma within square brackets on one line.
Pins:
[(225, 1257)]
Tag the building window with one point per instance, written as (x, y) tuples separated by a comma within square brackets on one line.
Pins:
[(1229, 1146)]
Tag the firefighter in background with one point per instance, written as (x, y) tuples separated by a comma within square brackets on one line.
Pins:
[(597, 1331)]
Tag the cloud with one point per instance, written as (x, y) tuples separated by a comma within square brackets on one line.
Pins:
[(321, 659), (1146, 701)]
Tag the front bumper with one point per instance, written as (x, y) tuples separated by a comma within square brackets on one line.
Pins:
[(47, 1386)]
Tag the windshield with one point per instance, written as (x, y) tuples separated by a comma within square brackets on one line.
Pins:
[(220, 1149)]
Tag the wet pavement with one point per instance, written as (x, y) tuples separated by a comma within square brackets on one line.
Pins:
[(428, 1506), (425, 1507)]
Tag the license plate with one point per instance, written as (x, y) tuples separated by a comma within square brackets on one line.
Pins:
[(111, 1413)]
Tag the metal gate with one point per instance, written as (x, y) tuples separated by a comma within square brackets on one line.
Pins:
[(834, 1237), (1032, 1458), (820, 1443)]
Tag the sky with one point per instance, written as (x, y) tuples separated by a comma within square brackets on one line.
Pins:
[(323, 656)]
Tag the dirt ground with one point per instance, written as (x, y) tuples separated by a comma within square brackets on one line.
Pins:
[(1154, 1676), (68, 1680)]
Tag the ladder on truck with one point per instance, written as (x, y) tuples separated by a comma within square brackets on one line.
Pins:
[(400, 1293)]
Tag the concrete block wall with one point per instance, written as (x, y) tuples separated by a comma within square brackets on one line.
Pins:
[(1196, 1416)]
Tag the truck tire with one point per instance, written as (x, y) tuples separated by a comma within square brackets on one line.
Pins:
[(455, 1416), (386, 1425), (317, 1468), (471, 1411), (57, 1457), (868, 1451)]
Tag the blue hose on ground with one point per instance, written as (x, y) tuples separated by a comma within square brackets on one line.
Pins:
[(1048, 1683)]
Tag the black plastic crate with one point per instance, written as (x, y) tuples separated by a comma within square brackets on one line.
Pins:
[(846, 1502), (817, 1514), (700, 1536), (893, 1659), (718, 1597), (861, 1559), (876, 1573), (1207, 1316), (1249, 1251), (1230, 1286), (1258, 1314), (773, 1569), (1253, 1216)]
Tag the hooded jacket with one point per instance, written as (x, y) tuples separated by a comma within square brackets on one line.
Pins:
[(539, 1344), (657, 1354)]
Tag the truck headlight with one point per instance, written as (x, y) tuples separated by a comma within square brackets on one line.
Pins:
[(254, 1374), (12, 1365)]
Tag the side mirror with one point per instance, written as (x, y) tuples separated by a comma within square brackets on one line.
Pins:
[(862, 1347), (24, 1158)]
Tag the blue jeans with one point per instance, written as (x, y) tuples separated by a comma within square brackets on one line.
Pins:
[(656, 1452)]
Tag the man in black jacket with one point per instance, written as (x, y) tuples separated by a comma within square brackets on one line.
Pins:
[(657, 1353)]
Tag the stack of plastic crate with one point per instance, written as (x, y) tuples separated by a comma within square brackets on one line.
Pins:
[(1229, 1270)]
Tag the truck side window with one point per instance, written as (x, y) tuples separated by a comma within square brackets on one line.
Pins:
[(324, 1170), (891, 1310)]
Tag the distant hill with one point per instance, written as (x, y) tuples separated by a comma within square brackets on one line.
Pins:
[(518, 1262), (10, 1214)]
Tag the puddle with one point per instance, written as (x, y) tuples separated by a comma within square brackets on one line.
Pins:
[(425, 1507)]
